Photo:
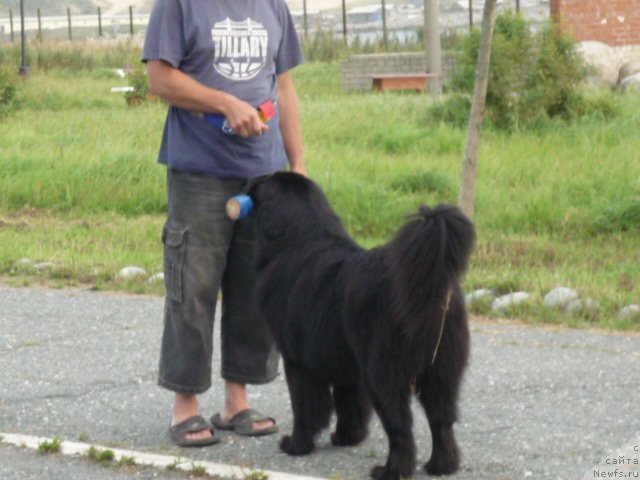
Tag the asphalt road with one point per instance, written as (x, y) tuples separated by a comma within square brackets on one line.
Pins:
[(537, 403)]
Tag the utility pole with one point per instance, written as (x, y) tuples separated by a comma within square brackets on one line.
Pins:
[(433, 46)]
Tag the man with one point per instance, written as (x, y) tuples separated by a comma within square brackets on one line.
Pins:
[(222, 57)]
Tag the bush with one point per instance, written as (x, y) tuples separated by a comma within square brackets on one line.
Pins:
[(9, 83), (140, 83), (532, 77)]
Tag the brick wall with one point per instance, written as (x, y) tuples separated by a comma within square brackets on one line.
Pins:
[(358, 69), (614, 22)]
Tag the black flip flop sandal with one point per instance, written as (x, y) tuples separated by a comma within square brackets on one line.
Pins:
[(194, 424), (242, 423)]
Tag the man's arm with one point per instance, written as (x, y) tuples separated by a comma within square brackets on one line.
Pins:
[(182, 91), (290, 122)]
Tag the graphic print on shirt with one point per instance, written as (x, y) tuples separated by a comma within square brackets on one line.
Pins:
[(240, 48)]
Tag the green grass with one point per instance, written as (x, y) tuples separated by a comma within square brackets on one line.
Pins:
[(560, 205), (52, 446)]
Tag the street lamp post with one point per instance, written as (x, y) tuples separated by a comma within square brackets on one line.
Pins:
[(24, 69)]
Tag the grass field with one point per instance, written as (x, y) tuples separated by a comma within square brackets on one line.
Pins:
[(79, 186)]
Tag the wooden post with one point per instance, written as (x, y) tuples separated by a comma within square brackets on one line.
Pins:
[(24, 69), (518, 6), (344, 21), (470, 14), (39, 26), (11, 26), (468, 182), (69, 22), (99, 21), (304, 15), (384, 24), (433, 45), (131, 20)]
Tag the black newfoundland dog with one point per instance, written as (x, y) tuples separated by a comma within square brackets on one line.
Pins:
[(360, 328)]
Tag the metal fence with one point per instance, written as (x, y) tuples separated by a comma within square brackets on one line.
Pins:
[(379, 20)]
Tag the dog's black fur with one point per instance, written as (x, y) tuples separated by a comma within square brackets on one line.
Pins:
[(358, 328)]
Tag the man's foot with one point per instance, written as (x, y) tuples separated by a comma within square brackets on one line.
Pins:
[(236, 401), (184, 407)]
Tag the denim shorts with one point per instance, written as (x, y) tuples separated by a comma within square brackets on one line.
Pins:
[(206, 253)]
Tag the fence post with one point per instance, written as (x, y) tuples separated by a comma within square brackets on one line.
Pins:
[(69, 23), (99, 21), (131, 20), (344, 21), (24, 69), (304, 15), (470, 14), (11, 26), (384, 24), (518, 6), (39, 27)]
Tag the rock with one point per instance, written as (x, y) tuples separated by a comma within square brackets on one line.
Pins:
[(588, 307), (604, 61), (39, 267), (630, 312), (22, 263), (505, 302), (156, 278), (628, 69), (131, 272), (559, 297), (479, 301), (480, 295), (631, 83)]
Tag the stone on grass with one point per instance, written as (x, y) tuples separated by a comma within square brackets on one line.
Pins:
[(41, 266), (588, 307), (480, 301), (480, 296), (631, 83), (505, 302), (22, 263), (131, 272), (156, 278), (630, 312), (605, 64), (628, 69), (559, 297)]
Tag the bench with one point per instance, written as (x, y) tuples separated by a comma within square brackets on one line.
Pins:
[(401, 81)]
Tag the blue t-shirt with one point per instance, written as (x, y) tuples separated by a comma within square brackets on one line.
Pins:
[(237, 46)]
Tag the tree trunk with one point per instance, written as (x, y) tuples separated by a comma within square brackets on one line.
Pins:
[(468, 183)]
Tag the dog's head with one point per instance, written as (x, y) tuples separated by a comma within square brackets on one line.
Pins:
[(290, 208)]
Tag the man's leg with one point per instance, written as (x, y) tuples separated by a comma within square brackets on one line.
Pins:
[(196, 238), (249, 355)]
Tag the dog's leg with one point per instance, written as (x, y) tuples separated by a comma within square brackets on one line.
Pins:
[(391, 402), (438, 392), (354, 411), (312, 406)]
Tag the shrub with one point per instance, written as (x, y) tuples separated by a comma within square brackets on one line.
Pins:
[(140, 83), (9, 84), (532, 76)]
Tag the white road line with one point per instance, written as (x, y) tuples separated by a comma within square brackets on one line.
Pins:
[(147, 459)]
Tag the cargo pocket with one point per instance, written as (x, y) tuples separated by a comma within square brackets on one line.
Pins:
[(174, 252)]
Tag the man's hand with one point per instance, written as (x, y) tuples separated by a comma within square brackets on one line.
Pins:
[(243, 118)]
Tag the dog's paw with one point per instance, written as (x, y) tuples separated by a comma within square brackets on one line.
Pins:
[(291, 447), (382, 472), (442, 465), (341, 439)]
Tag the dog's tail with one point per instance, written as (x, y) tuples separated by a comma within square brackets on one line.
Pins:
[(426, 257)]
